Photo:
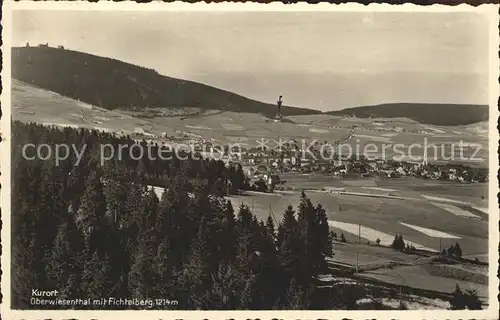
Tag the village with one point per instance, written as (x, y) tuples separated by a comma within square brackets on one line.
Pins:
[(267, 164)]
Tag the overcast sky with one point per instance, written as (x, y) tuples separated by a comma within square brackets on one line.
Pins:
[(320, 60)]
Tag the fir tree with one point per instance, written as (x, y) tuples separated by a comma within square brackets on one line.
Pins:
[(332, 236), (162, 270), (398, 243), (457, 251), (141, 276), (321, 235), (25, 274), (465, 300), (289, 252), (244, 219), (65, 260), (458, 299), (90, 218), (308, 245), (195, 278), (342, 238), (95, 278), (225, 291), (294, 296), (472, 300), (228, 240), (270, 226), (247, 293)]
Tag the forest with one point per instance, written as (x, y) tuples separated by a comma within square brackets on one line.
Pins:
[(110, 83), (428, 113), (94, 231)]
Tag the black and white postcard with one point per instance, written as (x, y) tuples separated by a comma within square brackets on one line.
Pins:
[(175, 158)]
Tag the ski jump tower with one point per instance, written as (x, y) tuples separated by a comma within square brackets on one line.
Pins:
[(279, 116)]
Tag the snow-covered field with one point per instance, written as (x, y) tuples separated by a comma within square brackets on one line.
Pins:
[(433, 129), (379, 189), (430, 232), (359, 182), (238, 139), (231, 126), (64, 125), (158, 190), (483, 210), (373, 138), (334, 189), (103, 129), (198, 127), (316, 130), (390, 134), (101, 118), (286, 192), (434, 198), (372, 234), (373, 195), (456, 210)]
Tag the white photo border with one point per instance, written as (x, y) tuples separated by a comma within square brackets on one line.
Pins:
[(8, 7)]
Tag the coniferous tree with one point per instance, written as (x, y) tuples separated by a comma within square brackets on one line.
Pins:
[(225, 291), (147, 211), (95, 278), (90, 217), (228, 239), (141, 277), (331, 238), (268, 271), (342, 238), (321, 237), (49, 210), (271, 229), (457, 251), (458, 299), (451, 251), (244, 221), (131, 221), (115, 192), (472, 300), (66, 259), (246, 245), (164, 214), (294, 296), (162, 270), (307, 221), (465, 300), (290, 243), (247, 292), (334, 235), (398, 243), (239, 178), (402, 306), (195, 278), (25, 275)]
